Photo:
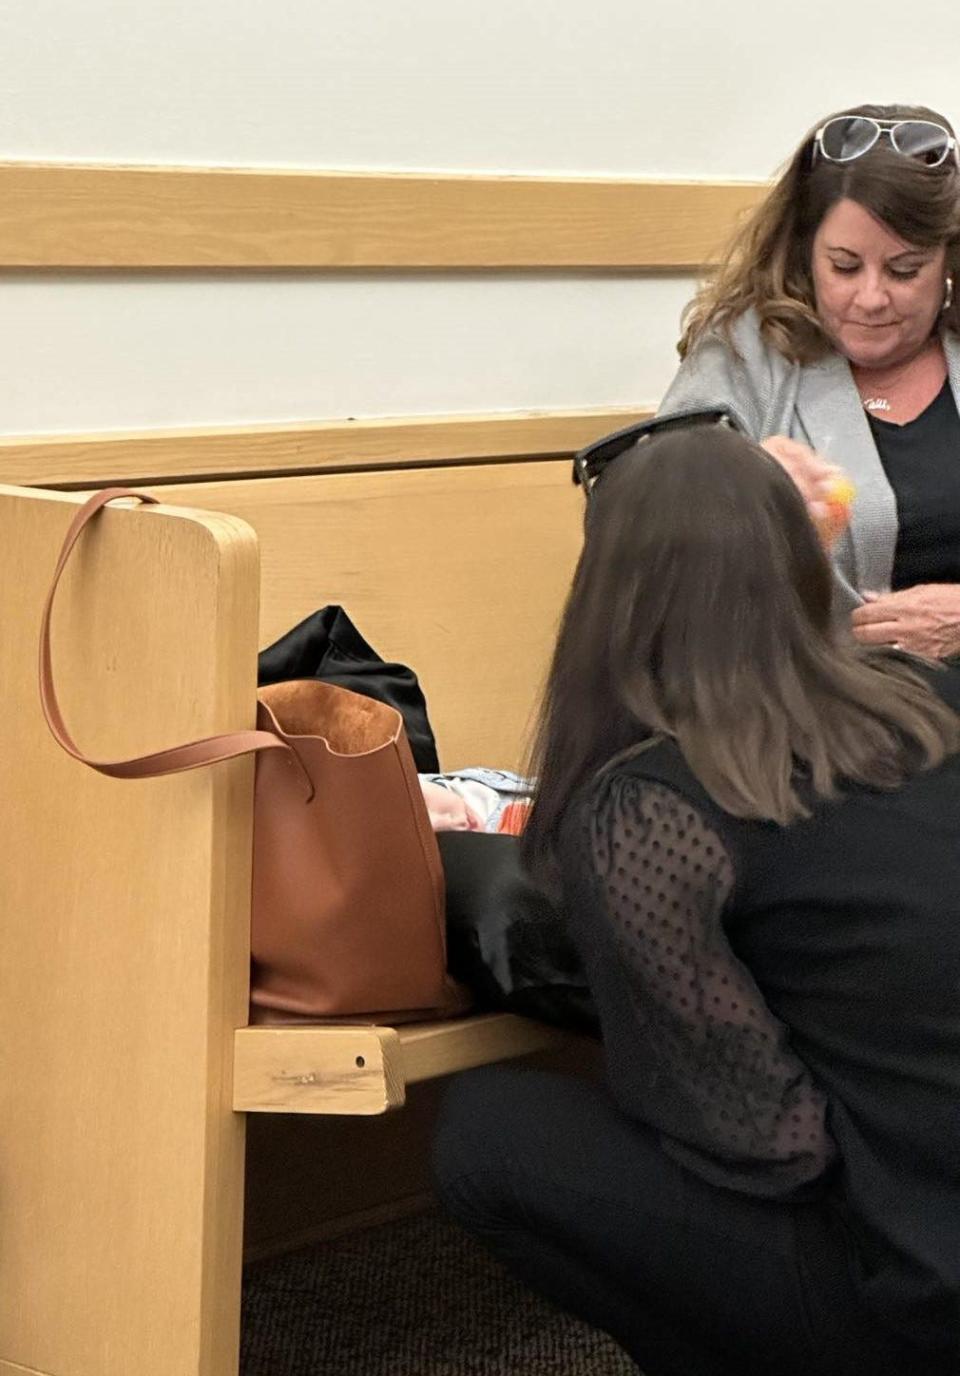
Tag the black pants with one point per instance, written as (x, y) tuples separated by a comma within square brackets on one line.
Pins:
[(690, 1279)]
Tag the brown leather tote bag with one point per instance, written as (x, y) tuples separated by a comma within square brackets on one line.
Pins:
[(348, 897)]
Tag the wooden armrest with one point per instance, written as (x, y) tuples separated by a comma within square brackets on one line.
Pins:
[(360, 1069)]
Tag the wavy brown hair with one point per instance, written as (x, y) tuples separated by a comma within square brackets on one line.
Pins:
[(767, 264), (701, 608)]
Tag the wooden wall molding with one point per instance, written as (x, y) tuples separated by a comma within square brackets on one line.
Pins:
[(299, 447), (74, 216)]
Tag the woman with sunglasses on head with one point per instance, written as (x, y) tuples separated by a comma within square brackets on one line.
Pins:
[(750, 822), (832, 331)]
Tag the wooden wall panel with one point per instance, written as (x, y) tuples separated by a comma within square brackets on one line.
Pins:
[(70, 216)]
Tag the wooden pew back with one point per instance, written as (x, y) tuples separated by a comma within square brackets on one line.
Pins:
[(458, 571)]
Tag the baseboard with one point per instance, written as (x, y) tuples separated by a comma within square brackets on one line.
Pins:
[(332, 1228)]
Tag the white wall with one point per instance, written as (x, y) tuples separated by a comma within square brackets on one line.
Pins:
[(127, 352), (687, 88)]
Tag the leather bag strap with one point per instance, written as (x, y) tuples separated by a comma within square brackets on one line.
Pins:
[(210, 750)]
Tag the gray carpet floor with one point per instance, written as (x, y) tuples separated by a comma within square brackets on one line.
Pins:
[(412, 1298)]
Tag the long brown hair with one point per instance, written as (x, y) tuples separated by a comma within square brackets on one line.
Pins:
[(767, 264), (701, 608)]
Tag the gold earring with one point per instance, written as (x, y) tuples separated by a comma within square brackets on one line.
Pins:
[(948, 293)]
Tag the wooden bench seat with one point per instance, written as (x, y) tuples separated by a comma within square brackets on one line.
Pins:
[(364, 1069), (126, 1063)]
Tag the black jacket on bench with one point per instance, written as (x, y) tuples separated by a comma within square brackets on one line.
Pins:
[(328, 646)]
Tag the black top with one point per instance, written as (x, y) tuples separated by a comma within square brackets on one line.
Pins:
[(922, 464), (783, 1003)]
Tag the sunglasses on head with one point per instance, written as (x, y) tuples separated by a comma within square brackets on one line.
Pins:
[(591, 463), (847, 137)]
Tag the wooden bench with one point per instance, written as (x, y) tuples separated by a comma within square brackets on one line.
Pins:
[(126, 1063)]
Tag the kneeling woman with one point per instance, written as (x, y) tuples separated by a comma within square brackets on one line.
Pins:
[(753, 826)]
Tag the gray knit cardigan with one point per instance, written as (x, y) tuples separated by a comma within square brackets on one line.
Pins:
[(817, 403)]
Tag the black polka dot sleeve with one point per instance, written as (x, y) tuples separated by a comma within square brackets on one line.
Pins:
[(721, 1082)]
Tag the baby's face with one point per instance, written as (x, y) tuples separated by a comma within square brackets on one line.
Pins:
[(448, 812)]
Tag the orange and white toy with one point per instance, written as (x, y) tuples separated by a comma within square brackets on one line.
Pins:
[(836, 504)]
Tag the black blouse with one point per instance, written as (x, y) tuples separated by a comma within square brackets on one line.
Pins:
[(729, 1094), (922, 463), (782, 1004)]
